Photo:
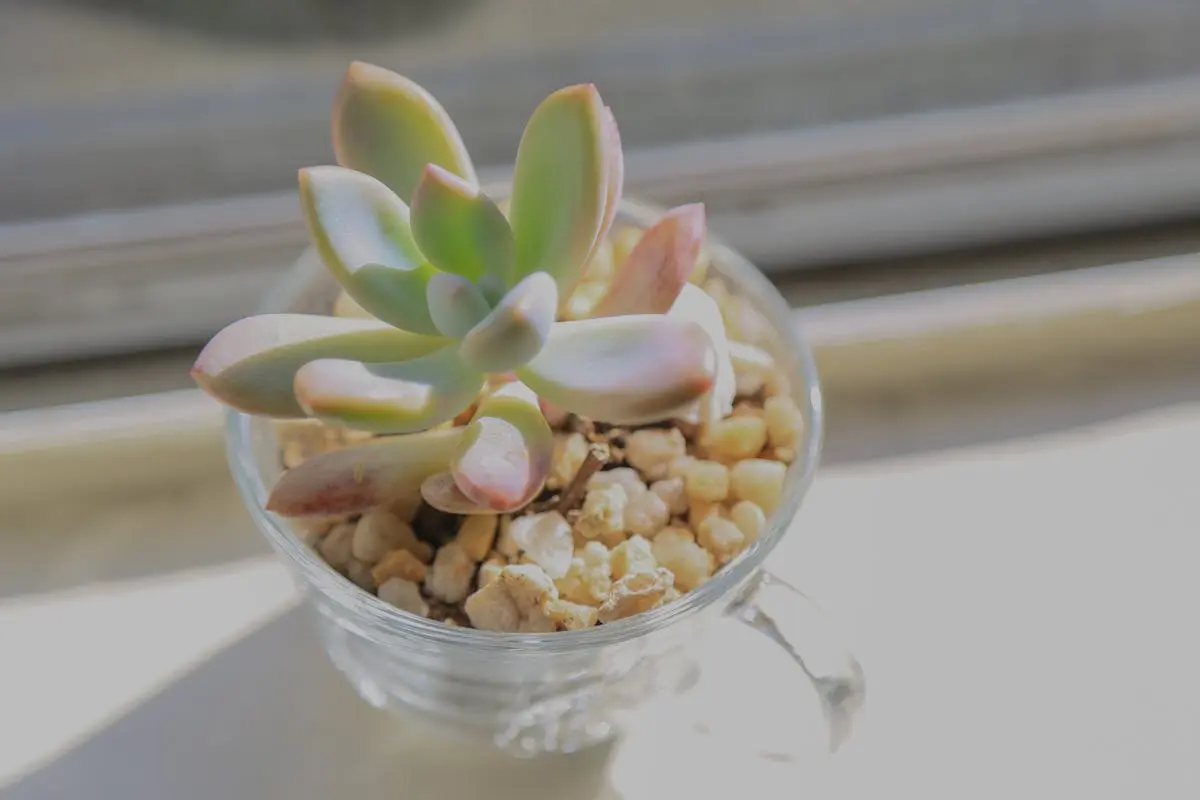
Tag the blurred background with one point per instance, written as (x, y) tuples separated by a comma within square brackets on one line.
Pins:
[(148, 148), (987, 212)]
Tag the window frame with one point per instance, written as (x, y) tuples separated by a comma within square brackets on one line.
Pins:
[(115, 282)]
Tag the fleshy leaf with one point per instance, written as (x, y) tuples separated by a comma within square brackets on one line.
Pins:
[(459, 228), (401, 397), (623, 370), (250, 364), (354, 479), (614, 160), (493, 288), (654, 273), (698, 306), (360, 228), (504, 456), (390, 128), (441, 492), (517, 327), (455, 304), (559, 185)]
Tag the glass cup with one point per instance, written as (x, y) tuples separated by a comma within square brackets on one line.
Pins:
[(556, 692)]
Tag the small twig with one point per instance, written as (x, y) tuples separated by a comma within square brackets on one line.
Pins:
[(596, 458), (548, 503)]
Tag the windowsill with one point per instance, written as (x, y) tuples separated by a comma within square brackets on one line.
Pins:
[(1009, 591)]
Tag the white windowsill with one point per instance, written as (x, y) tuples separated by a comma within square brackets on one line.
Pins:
[(1022, 608)]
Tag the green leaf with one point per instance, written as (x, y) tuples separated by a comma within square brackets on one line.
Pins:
[(455, 304), (251, 364), (355, 479), (517, 327), (460, 229), (493, 288), (399, 397), (360, 228), (504, 456), (623, 370), (654, 273), (390, 128), (560, 185)]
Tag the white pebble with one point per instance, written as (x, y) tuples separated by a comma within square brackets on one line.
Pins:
[(673, 493), (603, 513), (760, 481), (404, 595), (676, 549), (477, 534), (735, 438), (570, 451), (632, 555), (646, 514), (708, 481), (721, 537), (625, 477), (449, 578), (651, 450), (749, 518), (335, 547), (785, 422), (377, 532), (492, 608), (546, 540)]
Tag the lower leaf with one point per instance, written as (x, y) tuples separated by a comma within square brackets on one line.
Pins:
[(251, 364), (359, 478), (400, 397), (504, 456)]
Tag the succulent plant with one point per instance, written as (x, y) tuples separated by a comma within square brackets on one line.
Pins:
[(461, 296)]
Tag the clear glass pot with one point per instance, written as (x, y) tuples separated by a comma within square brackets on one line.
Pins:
[(556, 692)]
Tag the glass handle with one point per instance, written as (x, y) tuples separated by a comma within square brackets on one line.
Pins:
[(793, 621)]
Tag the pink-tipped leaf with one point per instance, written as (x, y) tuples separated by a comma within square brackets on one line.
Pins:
[(358, 478), (503, 459), (361, 231), (402, 397), (559, 185), (516, 329), (623, 370), (654, 273), (389, 127), (459, 228), (614, 160), (250, 365)]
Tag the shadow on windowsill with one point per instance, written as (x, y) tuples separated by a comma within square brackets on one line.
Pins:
[(270, 717)]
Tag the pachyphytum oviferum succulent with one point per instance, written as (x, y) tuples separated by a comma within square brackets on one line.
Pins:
[(465, 296)]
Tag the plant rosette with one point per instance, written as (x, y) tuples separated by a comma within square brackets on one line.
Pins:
[(543, 413)]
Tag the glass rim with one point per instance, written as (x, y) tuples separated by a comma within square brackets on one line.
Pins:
[(744, 277)]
